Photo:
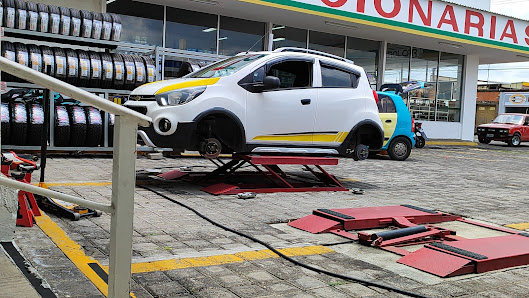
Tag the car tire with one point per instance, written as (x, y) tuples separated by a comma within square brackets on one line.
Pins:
[(420, 142), (22, 57), (77, 126), (399, 149), (62, 127), (72, 73), (6, 123), (483, 140), (361, 152), (94, 127), (515, 140), (8, 52), (35, 124), (84, 68), (19, 124)]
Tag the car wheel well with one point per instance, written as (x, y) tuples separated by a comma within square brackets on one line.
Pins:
[(367, 134), (222, 127)]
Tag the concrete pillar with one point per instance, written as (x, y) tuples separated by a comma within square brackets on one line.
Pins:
[(8, 213), (469, 94)]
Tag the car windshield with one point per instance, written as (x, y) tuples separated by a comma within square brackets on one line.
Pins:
[(509, 119), (225, 67)]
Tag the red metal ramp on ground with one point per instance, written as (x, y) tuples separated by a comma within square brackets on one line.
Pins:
[(470, 255)]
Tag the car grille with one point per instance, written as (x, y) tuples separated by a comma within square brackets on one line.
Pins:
[(142, 110), (493, 131), (142, 98)]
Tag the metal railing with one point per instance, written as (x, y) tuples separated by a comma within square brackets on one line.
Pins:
[(123, 173)]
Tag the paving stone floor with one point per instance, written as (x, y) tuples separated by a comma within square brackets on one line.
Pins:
[(486, 183)]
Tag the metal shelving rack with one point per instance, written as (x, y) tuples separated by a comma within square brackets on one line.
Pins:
[(11, 34)]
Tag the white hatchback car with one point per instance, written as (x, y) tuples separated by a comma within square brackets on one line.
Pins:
[(287, 101)]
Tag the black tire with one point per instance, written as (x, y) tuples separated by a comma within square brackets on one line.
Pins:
[(21, 18), (95, 67), (22, 56), (75, 22), (111, 120), (72, 74), (8, 52), (65, 21), (48, 60), (97, 25), (130, 72), (361, 152), (515, 140), (77, 126), (483, 140), (119, 71), (35, 57), (19, 123), (55, 19), (399, 148), (86, 24), (107, 71), (141, 71), (33, 16), (116, 27), (150, 69), (84, 68), (61, 64), (62, 127), (106, 30), (420, 142), (6, 123), (94, 129), (35, 124), (9, 13), (44, 17)]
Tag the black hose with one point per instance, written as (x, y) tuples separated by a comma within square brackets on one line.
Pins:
[(309, 267)]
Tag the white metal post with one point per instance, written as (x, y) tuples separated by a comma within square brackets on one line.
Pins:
[(123, 184)]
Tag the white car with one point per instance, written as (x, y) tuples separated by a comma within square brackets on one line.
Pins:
[(287, 101)]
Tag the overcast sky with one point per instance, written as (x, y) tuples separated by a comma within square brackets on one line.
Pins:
[(509, 72)]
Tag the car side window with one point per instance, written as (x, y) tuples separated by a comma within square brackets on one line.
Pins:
[(386, 105), (526, 120), (292, 74), (258, 75), (334, 77)]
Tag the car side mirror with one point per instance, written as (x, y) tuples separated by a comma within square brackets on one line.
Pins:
[(271, 82)]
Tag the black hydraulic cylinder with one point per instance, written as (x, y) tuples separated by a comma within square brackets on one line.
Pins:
[(45, 132), (399, 233)]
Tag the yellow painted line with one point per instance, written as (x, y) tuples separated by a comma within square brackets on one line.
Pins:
[(72, 250), (187, 84), (472, 158), (519, 226), (451, 143), (240, 257), (46, 185)]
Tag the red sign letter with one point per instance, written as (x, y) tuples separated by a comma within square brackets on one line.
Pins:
[(426, 20), (361, 6), (527, 34), (512, 31), (493, 27), (451, 20), (392, 14), (478, 25), (336, 3)]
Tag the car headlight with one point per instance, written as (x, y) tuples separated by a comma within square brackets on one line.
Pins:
[(179, 97)]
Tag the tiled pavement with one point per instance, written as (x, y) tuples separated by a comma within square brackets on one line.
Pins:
[(486, 183)]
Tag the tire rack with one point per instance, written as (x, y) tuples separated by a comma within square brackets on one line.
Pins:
[(26, 36)]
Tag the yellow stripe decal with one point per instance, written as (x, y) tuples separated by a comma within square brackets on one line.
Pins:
[(323, 138), (190, 83), (173, 264), (519, 226), (381, 24)]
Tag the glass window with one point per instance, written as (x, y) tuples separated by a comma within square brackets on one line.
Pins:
[(289, 37), (292, 74), (449, 90), (326, 42), (238, 36), (386, 105), (423, 68), (225, 67), (191, 31), (364, 53), (142, 23), (332, 77), (397, 64)]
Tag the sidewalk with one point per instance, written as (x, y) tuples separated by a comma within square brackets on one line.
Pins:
[(12, 282)]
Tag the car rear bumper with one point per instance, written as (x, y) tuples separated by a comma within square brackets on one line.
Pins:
[(495, 137)]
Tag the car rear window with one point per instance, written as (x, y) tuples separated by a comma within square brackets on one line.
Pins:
[(385, 104)]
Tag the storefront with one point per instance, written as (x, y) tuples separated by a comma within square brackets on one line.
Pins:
[(514, 102), (437, 42)]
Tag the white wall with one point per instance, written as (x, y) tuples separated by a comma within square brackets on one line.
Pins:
[(481, 4), (92, 5), (469, 95), (441, 130)]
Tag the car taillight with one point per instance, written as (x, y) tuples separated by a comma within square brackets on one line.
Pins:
[(375, 95), (412, 124)]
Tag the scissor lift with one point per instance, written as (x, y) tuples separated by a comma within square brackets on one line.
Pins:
[(268, 177), (445, 254)]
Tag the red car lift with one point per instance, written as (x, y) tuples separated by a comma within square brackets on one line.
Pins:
[(226, 180), (444, 254)]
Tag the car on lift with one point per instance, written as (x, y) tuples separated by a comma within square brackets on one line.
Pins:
[(399, 136), (509, 127), (286, 101)]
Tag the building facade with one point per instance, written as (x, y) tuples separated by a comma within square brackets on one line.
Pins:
[(438, 42)]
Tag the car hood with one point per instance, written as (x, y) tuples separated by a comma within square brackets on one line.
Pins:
[(169, 85), (498, 125)]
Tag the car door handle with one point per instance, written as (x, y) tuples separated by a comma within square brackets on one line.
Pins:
[(388, 121), (305, 101)]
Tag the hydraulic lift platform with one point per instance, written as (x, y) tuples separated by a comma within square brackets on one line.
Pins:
[(444, 253), (227, 179)]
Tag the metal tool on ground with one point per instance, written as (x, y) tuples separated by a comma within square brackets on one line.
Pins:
[(268, 177), (444, 253)]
